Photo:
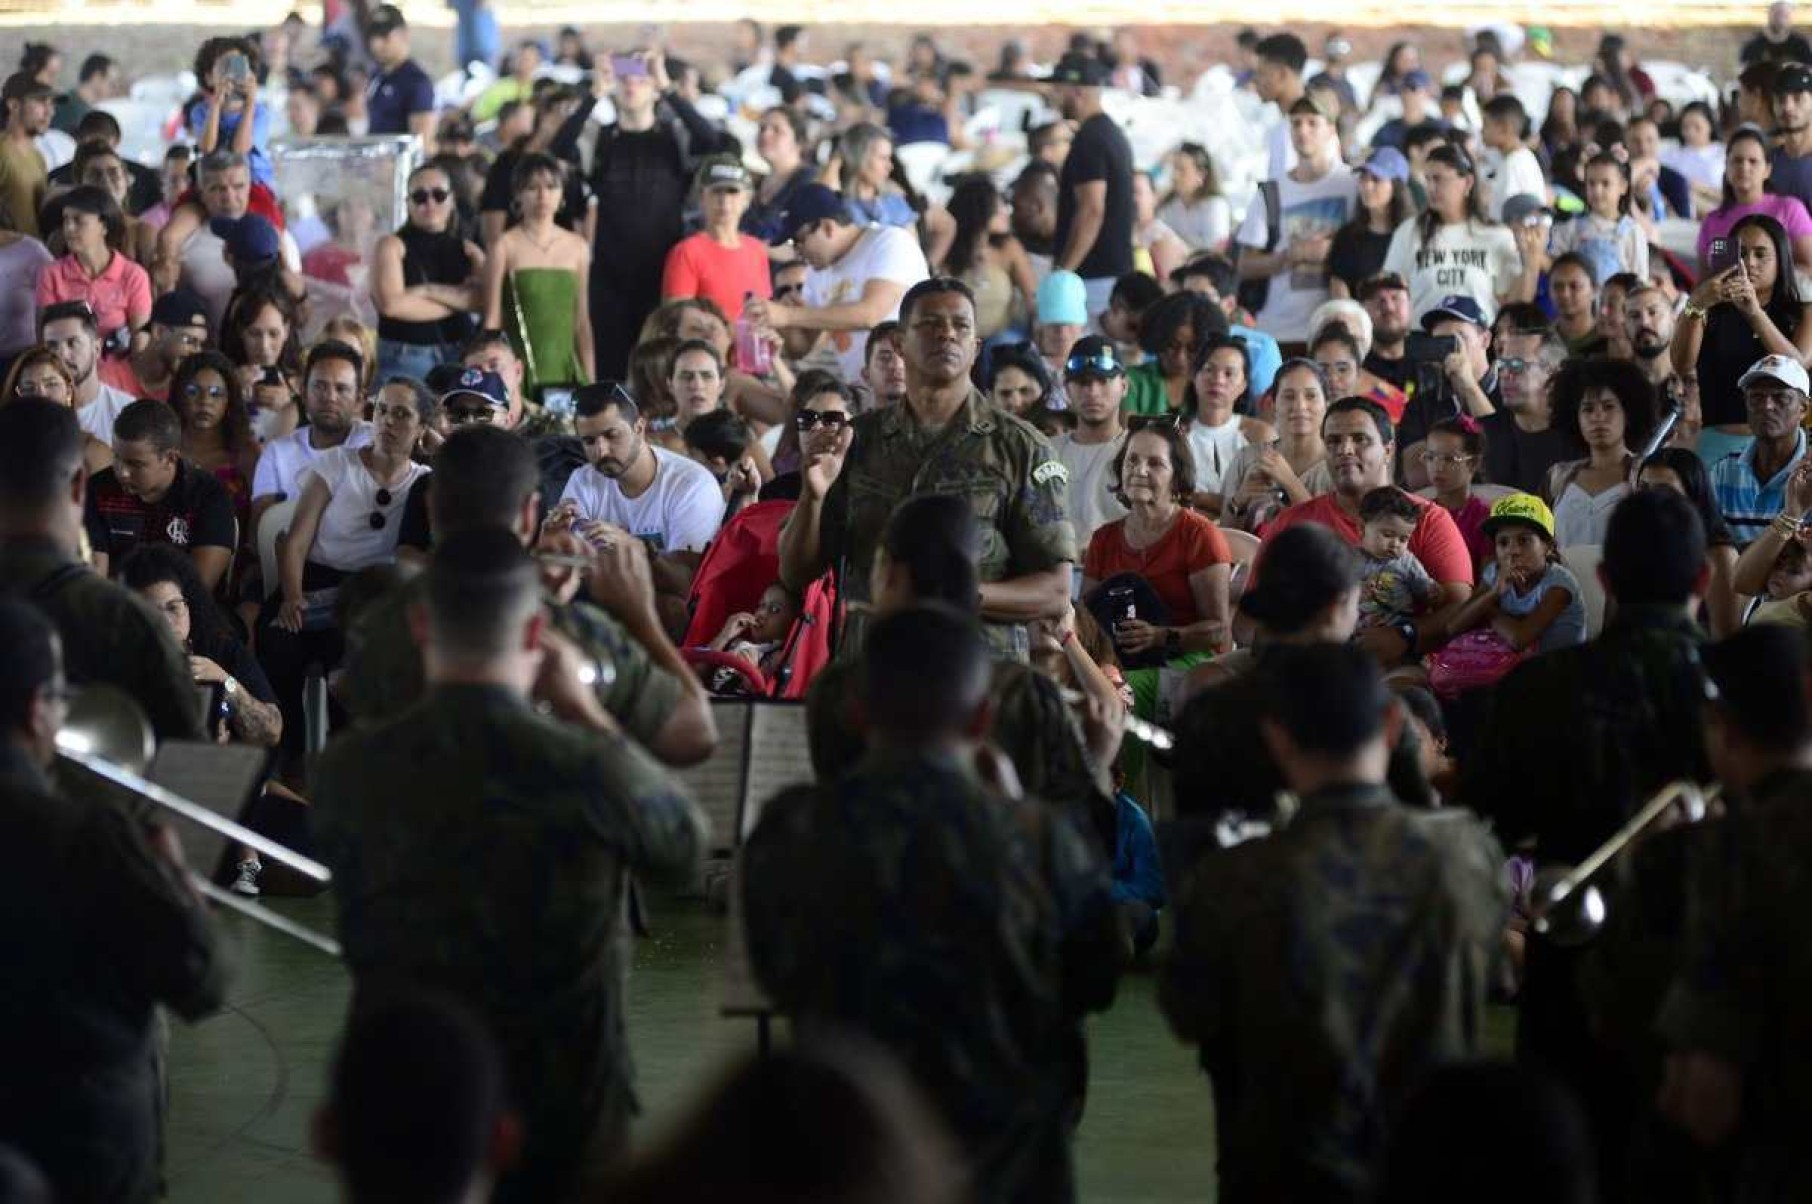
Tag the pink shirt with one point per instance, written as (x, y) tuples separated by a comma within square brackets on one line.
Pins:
[(1789, 211), (118, 293), (699, 267)]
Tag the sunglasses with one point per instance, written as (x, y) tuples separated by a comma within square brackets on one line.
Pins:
[(807, 420), (1104, 362), (378, 520), (211, 392), (789, 290), (421, 196)]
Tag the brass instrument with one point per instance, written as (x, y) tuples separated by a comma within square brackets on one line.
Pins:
[(1570, 910), (108, 736), (1143, 729)]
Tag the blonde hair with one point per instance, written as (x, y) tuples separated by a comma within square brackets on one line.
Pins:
[(347, 329)]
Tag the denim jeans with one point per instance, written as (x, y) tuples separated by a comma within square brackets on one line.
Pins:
[(414, 360)]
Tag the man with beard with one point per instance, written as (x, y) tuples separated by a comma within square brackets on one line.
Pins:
[(330, 395), (1792, 157), (1521, 444), (946, 437), (24, 176), (1649, 319), (179, 328), (1094, 236), (1386, 298), (69, 329)]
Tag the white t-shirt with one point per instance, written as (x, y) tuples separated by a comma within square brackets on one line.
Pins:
[(1203, 224), (1280, 152), (679, 512), (346, 539), (1090, 464), (1515, 174), (1472, 260), (1307, 211), (881, 253), (99, 415), (1701, 165), (283, 461), (205, 269), (1213, 449)]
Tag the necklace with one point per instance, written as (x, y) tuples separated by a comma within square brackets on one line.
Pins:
[(543, 247)]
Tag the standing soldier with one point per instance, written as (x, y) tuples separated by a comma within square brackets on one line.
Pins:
[(1325, 969), (481, 849), (966, 931), (946, 438)]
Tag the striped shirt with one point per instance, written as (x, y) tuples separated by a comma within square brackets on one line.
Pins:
[(1748, 503)]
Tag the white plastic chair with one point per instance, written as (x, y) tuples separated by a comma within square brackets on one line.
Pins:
[(1583, 559), (273, 524), (924, 163)]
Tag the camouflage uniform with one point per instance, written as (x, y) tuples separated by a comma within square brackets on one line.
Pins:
[(1003, 466), (382, 675), (1747, 974), (483, 850), (1323, 970), (1033, 726), (109, 635), (99, 930), (967, 933)]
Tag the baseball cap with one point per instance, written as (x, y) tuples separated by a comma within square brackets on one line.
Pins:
[(1454, 306), (22, 85), (180, 307), (249, 239), (385, 18), (1092, 355), (1387, 163), (1315, 103), (1080, 70), (1793, 77), (813, 203), (1784, 369), (722, 171), (1523, 206), (1416, 80), (1518, 509), (1063, 300), (476, 382)]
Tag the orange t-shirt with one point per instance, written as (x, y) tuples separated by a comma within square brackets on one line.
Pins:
[(699, 267), (1192, 544)]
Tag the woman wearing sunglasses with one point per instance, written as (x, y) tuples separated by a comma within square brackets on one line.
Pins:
[(423, 280), (217, 430), (823, 408)]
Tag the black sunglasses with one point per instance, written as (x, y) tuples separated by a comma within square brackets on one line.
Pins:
[(378, 520), (807, 420), (421, 196)]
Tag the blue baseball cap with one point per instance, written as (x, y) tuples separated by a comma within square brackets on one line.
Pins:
[(1454, 306), (249, 240), (1063, 300), (476, 382), (813, 203), (1416, 81), (1387, 163)]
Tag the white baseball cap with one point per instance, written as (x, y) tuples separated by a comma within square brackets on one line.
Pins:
[(1783, 368)]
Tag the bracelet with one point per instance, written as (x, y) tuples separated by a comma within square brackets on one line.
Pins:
[(1785, 525), (1068, 638), (1689, 310)]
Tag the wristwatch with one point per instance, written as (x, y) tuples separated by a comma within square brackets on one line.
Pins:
[(1408, 631), (1173, 640), (230, 689)]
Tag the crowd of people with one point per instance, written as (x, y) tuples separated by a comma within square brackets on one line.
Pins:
[(1278, 591)]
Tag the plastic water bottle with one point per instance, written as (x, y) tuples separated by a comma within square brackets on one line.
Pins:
[(753, 355)]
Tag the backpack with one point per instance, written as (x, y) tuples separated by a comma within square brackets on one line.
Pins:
[(1254, 293)]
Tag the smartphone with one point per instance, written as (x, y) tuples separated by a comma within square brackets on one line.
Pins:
[(1722, 255), (1121, 605), (273, 375), (236, 67)]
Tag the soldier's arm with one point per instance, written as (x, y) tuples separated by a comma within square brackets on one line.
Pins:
[(1096, 944), (1190, 990), (640, 808), (1041, 544), (780, 905), (658, 700)]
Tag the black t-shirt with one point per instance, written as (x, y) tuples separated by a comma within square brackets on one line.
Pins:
[(1395, 371), (1100, 152), (1518, 458), (1795, 49), (414, 531), (1357, 253), (497, 195), (196, 512), (1729, 348)]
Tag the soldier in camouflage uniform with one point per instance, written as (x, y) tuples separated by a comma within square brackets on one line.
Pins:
[(1324, 969), (487, 478), (966, 931), (1742, 1071), (109, 635), (946, 438), (484, 850)]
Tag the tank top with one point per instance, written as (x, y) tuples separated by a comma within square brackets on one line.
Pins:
[(430, 259)]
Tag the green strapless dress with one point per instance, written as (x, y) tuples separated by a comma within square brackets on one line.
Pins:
[(541, 305)]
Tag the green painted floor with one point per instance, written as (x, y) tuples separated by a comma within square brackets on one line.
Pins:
[(244, 1083)]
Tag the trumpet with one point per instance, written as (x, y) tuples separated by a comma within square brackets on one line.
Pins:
[(1142, 729), (107, 735), (1571, 909)]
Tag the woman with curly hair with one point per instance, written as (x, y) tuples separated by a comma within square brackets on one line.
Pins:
[(1608, 407), (1171, 331)]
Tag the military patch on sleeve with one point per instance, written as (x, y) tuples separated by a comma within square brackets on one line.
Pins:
[(1051, 471)]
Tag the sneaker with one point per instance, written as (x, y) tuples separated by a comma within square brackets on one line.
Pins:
[(247, 881)]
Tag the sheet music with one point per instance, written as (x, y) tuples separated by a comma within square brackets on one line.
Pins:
[(780, 756), (716, 782), (219, 777)]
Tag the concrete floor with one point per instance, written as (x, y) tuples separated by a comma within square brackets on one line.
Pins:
[(243, 1083)]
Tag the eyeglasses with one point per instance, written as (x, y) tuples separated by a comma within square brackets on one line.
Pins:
[(378, 519), (421, 196), (1513, 364), (1451, 458), (789, 290), (211, 392), (1105, 362), (807, 420)]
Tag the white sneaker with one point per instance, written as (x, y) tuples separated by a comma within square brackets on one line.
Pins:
[(247, 881)]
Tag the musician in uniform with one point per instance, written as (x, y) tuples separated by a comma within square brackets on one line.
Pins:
[(109, 635), (967, 931), (1326, 968), (101, 927), (947, 437), (1575, 742), (485, 477), (1740, 1076), (484, 850)]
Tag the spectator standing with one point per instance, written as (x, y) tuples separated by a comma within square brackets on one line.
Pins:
[(1314, 199), (98, 80), (719, 262), (1508, 167), (400, 97), (1359, 247), (1195, 208), (1699, 156), (421, 281), (1415, 93), (22, 260), (1746, 173), (1605, 235), (1278, 63), (1454, 248), (1094, 236), (95, 271), (1778, 41), (24, 175), (781, 139), (535, 278)]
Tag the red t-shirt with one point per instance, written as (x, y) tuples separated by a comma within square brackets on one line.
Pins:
[(699, 267), (1192, 544), (1436, 541)]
